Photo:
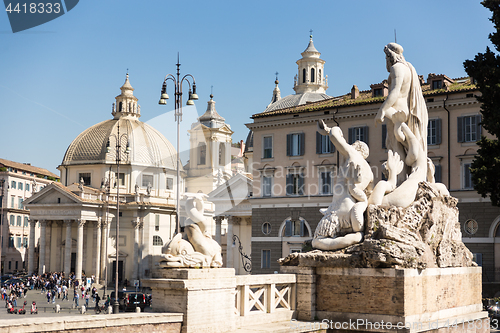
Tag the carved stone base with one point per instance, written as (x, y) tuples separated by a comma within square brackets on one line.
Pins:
[(420, 300)]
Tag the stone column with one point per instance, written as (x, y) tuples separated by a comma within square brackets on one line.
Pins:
[(79, 249), (229, 242), (104, 251), (97, 268), (67, 249), (48, 242), (218, 223), (31, 248), (41, 264), (137, 224)]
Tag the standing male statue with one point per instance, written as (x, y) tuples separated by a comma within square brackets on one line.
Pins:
[(404, 104)]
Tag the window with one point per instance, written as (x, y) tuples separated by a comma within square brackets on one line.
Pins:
[(18, 242), (21, 203), (146, 180), (478, 258), (157, 222), (266, 259), (20, 186), (26, 221), (268, 147), (469, 128), (121, 179), (25, 242), (295, 184), (13, 185), (222, 153), (11, 244), (358, 134), (202, 153), (325, 182), (437, 84), (467, 176), (267, 183), (86, 178), (295, 144), (170, 183), (323, 144), (384, 136), (303, 75), (12, 202), (312, 74), (19, 221), (434, 132), (266, 228), (295, 228), (437, 173), (27, 187), (157, 241), (12, 220), (379, 92)]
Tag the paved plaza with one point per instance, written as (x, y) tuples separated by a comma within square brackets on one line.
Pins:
[(46, 309)]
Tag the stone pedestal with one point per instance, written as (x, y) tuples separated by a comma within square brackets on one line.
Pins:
[(429, 300), (206, 297)]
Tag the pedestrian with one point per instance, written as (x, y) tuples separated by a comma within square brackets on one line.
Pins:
[(97, 299), (48, 296), (87, 297), (77, 297)]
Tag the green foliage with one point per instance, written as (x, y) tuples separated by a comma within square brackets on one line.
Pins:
[(485, 70)]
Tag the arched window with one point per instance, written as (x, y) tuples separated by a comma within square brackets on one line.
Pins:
[(157, 241), (19, 222), (312, 74), (295, 227), (303, 75), (222, 153), (26, 221), (120, 106), (202, 153)]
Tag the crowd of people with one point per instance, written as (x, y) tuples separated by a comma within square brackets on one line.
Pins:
[(56, 286)]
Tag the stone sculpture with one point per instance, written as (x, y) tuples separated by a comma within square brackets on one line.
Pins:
[(342, 223), (407, 163), (195, 247)]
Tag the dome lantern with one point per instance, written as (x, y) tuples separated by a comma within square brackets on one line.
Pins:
[(126, 103)]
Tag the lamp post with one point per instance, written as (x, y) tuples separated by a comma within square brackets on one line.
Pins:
[(177, 81), (2, 185), (118, 137)]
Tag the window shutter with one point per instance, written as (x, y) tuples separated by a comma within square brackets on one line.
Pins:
[(438, 131), (301, 184), (302, 229), (460, 129), (289, 184), (331, 146), (478, 126), (288, 228), (365, 134), (437, 173), (384, 135), (288, 145), (318, 143), (351, 136), (302, 143)]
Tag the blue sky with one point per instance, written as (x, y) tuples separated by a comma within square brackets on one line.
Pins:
[(60, 78)]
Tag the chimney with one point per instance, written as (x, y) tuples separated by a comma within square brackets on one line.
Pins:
[(354, 92)]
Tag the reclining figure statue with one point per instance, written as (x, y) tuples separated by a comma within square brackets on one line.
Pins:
[(342, 224), (195, 247)]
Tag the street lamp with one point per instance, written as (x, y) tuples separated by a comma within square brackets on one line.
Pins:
[(118, 138), (178, 118)]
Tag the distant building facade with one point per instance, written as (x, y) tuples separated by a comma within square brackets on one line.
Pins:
[(20, 181)]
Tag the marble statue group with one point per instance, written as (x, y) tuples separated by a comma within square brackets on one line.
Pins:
[(405, 114)]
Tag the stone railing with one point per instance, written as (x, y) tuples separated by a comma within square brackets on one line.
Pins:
[(264, 298)]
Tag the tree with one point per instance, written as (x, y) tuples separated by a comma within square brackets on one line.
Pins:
[(485, 72)]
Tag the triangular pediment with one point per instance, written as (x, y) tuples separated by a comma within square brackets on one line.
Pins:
[(53, 194), (120, 254)]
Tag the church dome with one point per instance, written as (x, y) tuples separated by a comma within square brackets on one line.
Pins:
[(147, 146)]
